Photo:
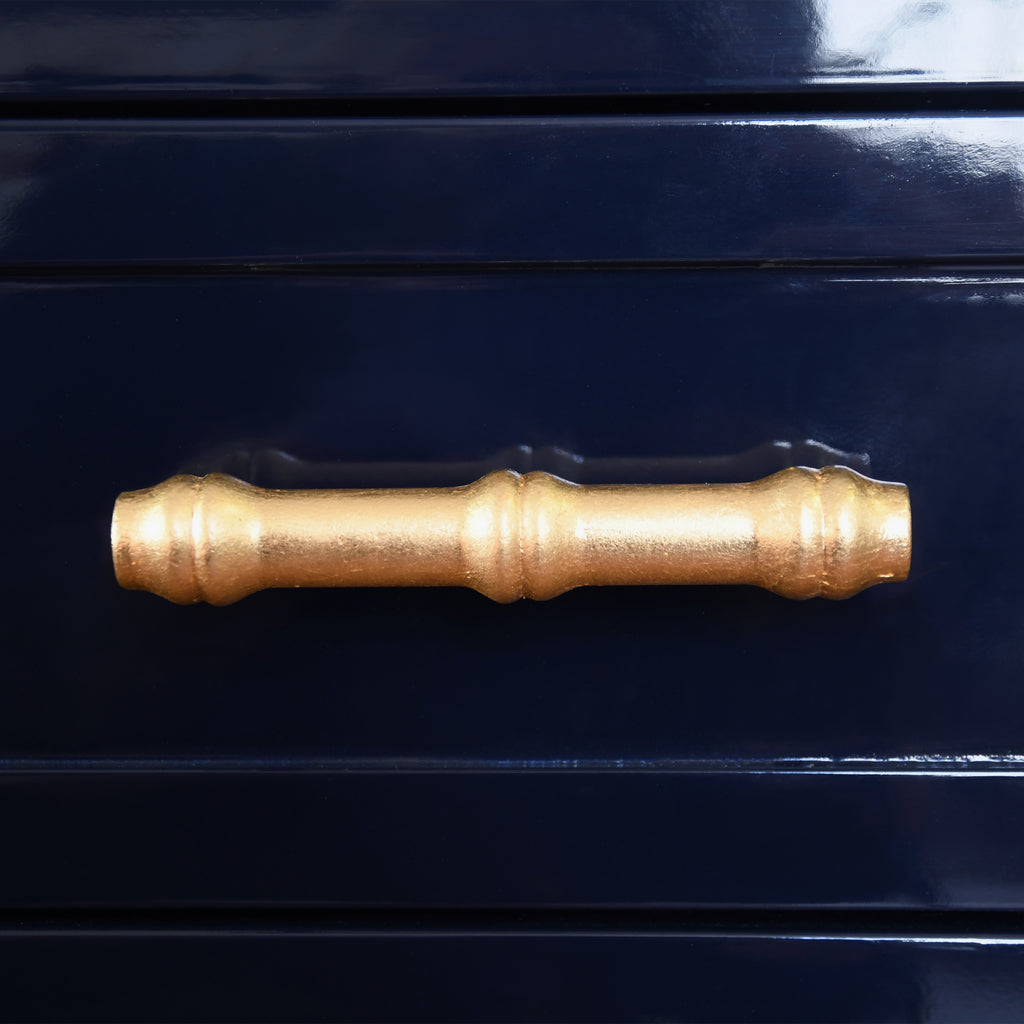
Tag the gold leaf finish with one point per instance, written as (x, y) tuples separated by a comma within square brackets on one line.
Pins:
[(800, 533)]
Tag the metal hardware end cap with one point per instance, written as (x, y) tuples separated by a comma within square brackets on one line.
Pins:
[(151, 539), (867, 532)]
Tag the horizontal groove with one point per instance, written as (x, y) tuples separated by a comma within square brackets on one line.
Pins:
[(946, 766), (865, 98), (864, 924), (45, 271)]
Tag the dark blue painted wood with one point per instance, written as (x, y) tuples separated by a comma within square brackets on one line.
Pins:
[(522, 837), (281, 977), (920, 370), (465, 190), (117, 384), (425, 48), (649, 749)]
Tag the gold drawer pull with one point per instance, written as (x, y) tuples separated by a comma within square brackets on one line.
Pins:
[(800, 533)]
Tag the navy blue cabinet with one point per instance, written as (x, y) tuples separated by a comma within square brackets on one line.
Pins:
[(433, 232)]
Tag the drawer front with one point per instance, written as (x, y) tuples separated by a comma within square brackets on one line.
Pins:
[(644, 803)]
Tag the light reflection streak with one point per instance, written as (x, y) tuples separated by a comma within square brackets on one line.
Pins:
[(937, 279), (966, 766), (897, 41)]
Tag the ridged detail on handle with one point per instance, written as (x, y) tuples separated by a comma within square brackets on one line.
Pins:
[(800, 532)]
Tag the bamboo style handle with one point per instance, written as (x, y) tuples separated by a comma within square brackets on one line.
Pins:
[(800, 533)]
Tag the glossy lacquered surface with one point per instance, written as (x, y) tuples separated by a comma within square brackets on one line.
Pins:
[(263, 239), (111, 49), (262, 835), (469, 190), (326, 975), (919, 371), (340, 747)]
